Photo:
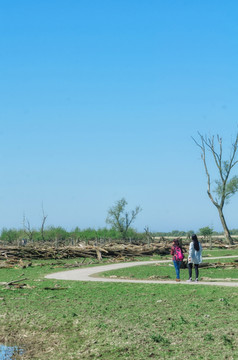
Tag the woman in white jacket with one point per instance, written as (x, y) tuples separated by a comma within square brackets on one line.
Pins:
[(194, 256)]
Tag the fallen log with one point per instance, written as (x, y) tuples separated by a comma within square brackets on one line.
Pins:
[(15, 281), (54, 288)]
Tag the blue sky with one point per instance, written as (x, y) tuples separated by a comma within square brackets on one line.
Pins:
[(99, 100)]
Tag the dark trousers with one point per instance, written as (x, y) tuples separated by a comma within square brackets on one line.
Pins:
[(190, 266)]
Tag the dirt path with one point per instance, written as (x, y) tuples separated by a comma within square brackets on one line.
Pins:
[(91, 274)]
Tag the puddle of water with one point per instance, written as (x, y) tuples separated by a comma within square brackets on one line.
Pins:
[(9, 352)]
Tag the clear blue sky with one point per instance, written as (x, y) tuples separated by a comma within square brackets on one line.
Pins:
[(99, 100)]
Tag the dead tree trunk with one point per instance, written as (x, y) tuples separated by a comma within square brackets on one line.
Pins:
[(225, 228)]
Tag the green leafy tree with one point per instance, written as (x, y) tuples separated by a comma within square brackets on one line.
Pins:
[(206, 231), (58, 234), (9, 235), (225, 186), (120, 219)]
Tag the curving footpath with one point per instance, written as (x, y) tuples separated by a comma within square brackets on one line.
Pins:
[(91, 274)]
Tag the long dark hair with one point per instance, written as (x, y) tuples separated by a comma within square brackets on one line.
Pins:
[(195, 242)]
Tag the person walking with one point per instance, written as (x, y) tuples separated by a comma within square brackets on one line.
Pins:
[(194, 257), (177, 253)]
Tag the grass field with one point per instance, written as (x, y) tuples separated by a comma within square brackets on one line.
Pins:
[(64, 320), (167, 271)]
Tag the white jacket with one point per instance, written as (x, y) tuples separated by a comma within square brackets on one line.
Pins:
[(196, 256)]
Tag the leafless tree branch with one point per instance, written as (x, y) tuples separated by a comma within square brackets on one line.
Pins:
[(223, 189)]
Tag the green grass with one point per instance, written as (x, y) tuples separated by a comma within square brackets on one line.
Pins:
[(167, 271), (219, 252), (117, 321)]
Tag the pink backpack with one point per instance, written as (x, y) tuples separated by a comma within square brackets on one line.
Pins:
[(178, 253)]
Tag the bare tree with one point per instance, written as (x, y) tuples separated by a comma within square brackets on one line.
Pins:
[(148, 235), (121, 219), (27, 228), (225, 188), (44, 217)]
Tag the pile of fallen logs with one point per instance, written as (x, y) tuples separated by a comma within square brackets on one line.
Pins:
[(112, 250), (227, 265), (87, 251)]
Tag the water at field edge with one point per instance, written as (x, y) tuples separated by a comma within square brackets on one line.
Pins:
[(9, 352)]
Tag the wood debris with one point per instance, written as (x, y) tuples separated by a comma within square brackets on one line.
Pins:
[(14, 253)]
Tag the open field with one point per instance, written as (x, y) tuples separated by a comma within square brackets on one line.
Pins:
[(58, 320)]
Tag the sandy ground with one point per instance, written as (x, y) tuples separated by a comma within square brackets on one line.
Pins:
[(92, 274)]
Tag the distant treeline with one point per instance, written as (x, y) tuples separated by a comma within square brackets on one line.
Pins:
[(177, 233), (60, 235)]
